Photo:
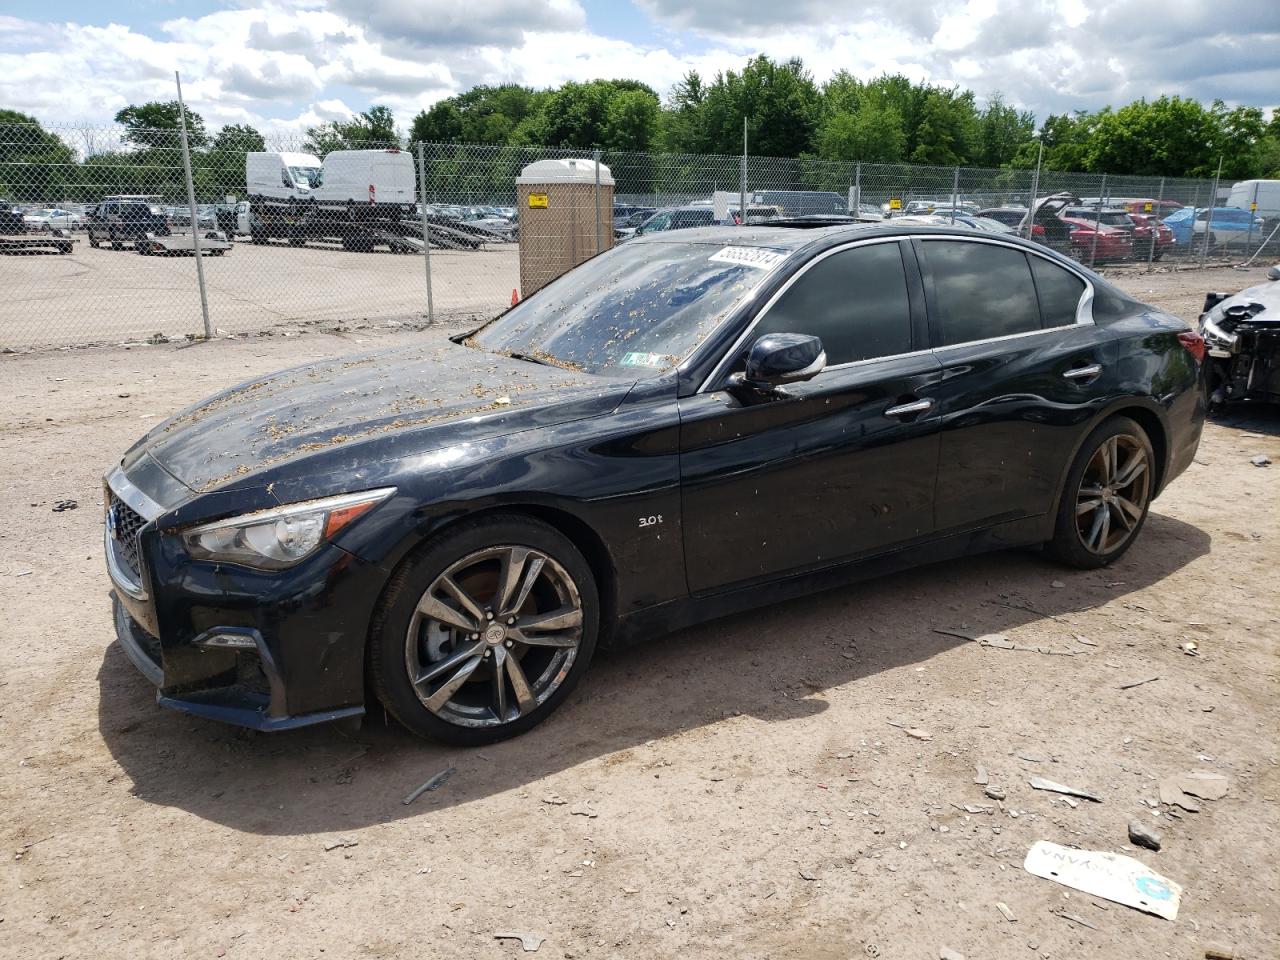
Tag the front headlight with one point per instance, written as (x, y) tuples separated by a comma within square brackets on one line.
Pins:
[(1216, 333), (280, 537)]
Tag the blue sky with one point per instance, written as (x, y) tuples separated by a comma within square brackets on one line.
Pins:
[(287, 64)]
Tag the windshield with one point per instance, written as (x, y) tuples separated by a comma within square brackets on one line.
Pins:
[(637, 310), (310, 176)]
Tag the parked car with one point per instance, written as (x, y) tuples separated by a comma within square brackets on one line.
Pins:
[(689, 424), (1224, 225), (1146, 228), (677, 218), (53, 218), (1146, 205), (11, 220), (1009, 216), (1111, 243), (1242, 335), (121, 220)]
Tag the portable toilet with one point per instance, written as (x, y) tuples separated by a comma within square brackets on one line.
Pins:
[(566, 216)]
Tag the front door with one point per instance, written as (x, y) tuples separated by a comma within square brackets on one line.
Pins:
[(838, 467)]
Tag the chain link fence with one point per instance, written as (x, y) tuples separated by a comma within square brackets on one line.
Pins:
[(98, 237)]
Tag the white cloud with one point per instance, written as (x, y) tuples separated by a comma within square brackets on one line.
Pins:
[(282, 65)]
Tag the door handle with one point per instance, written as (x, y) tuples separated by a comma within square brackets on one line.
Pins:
[(908, 409), (1084, 373)]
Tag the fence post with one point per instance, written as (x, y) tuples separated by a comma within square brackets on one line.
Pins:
[(195, 217), (857, 190), (599, 234), (742, 179), (426, 227), (1035, 188), (1208, 224), (1253, 207), (955, 193), (1097, 220), (1154, 222)]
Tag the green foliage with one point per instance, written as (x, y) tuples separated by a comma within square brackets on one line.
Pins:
[(156, 124), (375, 127), (34, 164)]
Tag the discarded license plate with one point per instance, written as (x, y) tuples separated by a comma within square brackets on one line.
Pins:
[(1108, 875)]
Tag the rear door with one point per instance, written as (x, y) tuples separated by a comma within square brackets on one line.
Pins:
[(1023, 369), (838, 467)]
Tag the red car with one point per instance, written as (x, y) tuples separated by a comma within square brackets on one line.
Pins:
[(1142, 224), (1112, 243), (1160, 208)]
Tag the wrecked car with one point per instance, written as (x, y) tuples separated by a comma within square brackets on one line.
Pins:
[(1242, 337), (693, 423)]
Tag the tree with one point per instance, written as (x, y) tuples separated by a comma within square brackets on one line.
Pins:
[(238, 138), (947, 129), (374, 127), (779, 102), (1001, 131), (34, 164), (873, 133), (631, 121), (156, 124), (442, 123)]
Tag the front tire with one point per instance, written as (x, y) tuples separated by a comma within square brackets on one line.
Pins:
[(1107, 496), (484, 631)]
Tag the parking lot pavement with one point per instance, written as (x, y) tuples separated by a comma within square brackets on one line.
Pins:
[(744, 788), (104, 296)]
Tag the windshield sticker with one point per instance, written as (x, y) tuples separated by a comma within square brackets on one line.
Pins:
[(748, 257), (642, 360)]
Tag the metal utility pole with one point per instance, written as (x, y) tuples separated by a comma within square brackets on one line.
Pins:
[(955, 194), (1154, 222), (857, 190), (426, 227), (195, 216), (1035, 189), (599, 233), (1253, 212), (1208, 225), (742, 180)]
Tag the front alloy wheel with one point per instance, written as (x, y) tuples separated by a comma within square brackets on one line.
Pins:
[(484, 630), (493, 636)]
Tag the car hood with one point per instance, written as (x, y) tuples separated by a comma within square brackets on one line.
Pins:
[(407, 401), (1264, 300)]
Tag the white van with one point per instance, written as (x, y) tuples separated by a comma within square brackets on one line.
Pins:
[(367, 177), (281, 176), (1266, 193)]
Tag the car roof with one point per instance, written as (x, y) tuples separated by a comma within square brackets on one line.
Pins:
[(791, 238)]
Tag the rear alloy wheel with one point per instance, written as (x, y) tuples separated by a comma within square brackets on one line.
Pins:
[(491, 626), (1107, 496)]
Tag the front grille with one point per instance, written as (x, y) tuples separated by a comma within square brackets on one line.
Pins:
[(127, 523)]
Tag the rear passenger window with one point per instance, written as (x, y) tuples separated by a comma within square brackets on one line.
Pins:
[(855, 301), (980, 291), (1060, 292)]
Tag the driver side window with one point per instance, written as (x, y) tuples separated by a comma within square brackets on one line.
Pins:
[(855, 301), (284, 177)]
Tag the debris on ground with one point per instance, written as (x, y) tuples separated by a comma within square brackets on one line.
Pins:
[(980, 776), (583, 810), (1057, 584), (1179, 789), (1074, 919), (1040, 783), (998, 641), (341, 842), (918, 733), (1008, 914), (1137, 683), (1216, 951), (1261, 460), (946, 953), (995, 793), (807, 874), (1110, 876), (555, 800), (1141, 835), (431, 784), (529, 941), (62, 505), (1191, 648)]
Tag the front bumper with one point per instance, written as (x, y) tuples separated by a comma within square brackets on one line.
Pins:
[(295, 654), (240, 702)]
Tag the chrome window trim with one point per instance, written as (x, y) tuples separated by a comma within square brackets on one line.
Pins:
[(718, 370), (1084, 309)]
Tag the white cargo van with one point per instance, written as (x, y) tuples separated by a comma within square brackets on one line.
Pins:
[(1266, 193), (366, 177), (281, 176)]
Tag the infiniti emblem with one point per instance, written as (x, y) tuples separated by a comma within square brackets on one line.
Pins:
[(112, 522)]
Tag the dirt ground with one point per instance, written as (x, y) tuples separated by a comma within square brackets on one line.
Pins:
[(746, 788)]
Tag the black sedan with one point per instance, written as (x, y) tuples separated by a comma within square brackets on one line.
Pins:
[(691, 424)]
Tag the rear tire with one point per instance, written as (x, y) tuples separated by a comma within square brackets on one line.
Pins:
[(1107, 495), (473, 688)]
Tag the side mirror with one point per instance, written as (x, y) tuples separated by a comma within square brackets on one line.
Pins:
[(1274, 272), (780, 358)]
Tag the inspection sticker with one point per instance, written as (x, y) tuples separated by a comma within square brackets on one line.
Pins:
[(748, 257), (642, 360)]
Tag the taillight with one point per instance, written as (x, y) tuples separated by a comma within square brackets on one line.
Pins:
[(1194, 344), (1037, 230)]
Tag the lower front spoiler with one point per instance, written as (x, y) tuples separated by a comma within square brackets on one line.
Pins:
[(235, 705)]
